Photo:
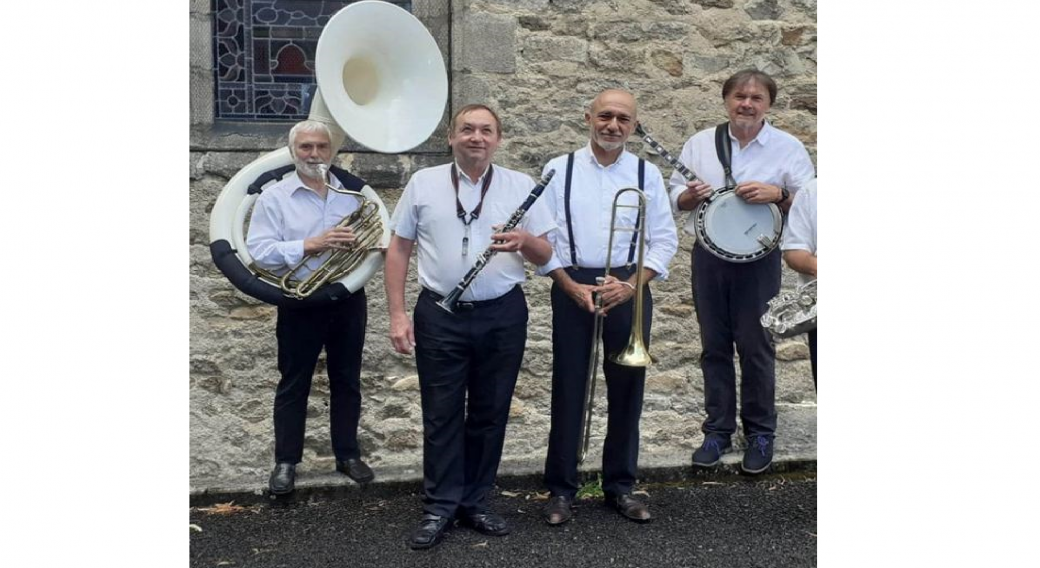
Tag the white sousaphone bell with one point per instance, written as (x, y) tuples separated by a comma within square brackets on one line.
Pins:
[(381, 79)]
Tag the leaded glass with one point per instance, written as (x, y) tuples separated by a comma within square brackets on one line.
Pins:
[(263, 56)]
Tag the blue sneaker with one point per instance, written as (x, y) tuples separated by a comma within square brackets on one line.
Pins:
[(758, 455), (710, 452)]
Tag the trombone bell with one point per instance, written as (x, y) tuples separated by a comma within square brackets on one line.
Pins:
[(635, 353)]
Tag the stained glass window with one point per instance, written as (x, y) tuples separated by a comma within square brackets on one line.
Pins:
[(263, 56)]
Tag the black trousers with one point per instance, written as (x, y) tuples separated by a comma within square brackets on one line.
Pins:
[(468, 363), (302, 333), (572, 345), (730, 298)]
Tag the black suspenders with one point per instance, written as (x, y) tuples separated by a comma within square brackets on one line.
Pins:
[(567, 210)]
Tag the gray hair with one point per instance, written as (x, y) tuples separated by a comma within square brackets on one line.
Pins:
[(307, 126)]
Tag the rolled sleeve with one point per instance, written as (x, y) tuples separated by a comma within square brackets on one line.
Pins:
[(677, 183), (264, 240), (800, 172), (800, 233), (404, 222), (661, 233)]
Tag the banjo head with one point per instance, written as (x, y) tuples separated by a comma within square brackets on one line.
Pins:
[(737, 231)]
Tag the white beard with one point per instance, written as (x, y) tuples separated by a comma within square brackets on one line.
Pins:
[(611, 146), (309, 170)]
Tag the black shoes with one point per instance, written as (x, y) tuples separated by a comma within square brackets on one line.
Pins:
[(758, 455), (629, 507), (283, 479), (283, 476), (710, 452), (432, 527), (559, 510), (355, 469), (430, 531), (487, 523)]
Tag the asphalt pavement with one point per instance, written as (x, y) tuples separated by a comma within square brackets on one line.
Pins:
[(716, 520)]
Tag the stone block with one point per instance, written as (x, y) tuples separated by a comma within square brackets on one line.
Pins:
[(533, 23), (725, 4), (540, 48), (792, 350), (570, 26), (487, 43), (469, 89), (763, 9), (406, 384), (667, 61), (618, 57)]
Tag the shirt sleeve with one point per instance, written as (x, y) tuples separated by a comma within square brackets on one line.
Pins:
[(677, 183), (539, 221), (548, 200), (800, 230), (663, 241), (801, 170), (405, 221), (265, 237)]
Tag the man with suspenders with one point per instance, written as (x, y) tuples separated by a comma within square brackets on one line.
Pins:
[(581, 200)]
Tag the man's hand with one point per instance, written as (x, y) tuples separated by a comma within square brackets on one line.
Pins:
[(512, 241), (582, 295), (696, 192), (401, 333), (615, 292), (334, 238), (758, 192)]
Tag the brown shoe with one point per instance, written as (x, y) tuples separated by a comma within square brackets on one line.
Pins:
[(559, 510), (629, 507)]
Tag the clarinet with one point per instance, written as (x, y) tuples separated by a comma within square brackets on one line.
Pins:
[(448, 302), (683, 170)]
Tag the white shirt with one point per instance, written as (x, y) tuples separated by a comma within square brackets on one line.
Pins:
[(774, 157), (426, 213), (801, 224), (592, 198), (286, 214)]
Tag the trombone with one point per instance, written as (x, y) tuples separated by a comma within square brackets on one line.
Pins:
[(635, 354)]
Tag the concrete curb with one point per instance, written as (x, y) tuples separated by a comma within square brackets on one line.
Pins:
[(511, 476)]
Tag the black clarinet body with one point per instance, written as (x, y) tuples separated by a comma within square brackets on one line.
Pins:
[(448, 302)]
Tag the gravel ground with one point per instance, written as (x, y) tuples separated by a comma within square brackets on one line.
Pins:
[(726, 522)]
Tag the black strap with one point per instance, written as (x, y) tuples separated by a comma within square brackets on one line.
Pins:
[(567, 207), (725, 152), (267, 177), (639, 217), (475, 214), (347, 179)]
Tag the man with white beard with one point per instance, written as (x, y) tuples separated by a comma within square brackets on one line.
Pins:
[(291, 219)]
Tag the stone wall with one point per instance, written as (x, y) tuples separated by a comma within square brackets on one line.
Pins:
[(539, 62)]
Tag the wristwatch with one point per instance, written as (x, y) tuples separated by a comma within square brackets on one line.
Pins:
[(784, 194)]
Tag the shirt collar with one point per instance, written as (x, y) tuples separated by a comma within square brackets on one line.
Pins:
[(763, 137), (462, 174), (586, 154), (298, 184)]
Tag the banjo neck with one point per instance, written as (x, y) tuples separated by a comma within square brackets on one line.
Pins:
[(679, 167)]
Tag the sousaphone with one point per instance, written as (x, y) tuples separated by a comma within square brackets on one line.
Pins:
[(382, 81)]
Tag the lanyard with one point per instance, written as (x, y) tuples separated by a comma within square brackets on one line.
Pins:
[(476, 210)]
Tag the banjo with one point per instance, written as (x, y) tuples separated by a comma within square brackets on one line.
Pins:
[(726, 225)]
